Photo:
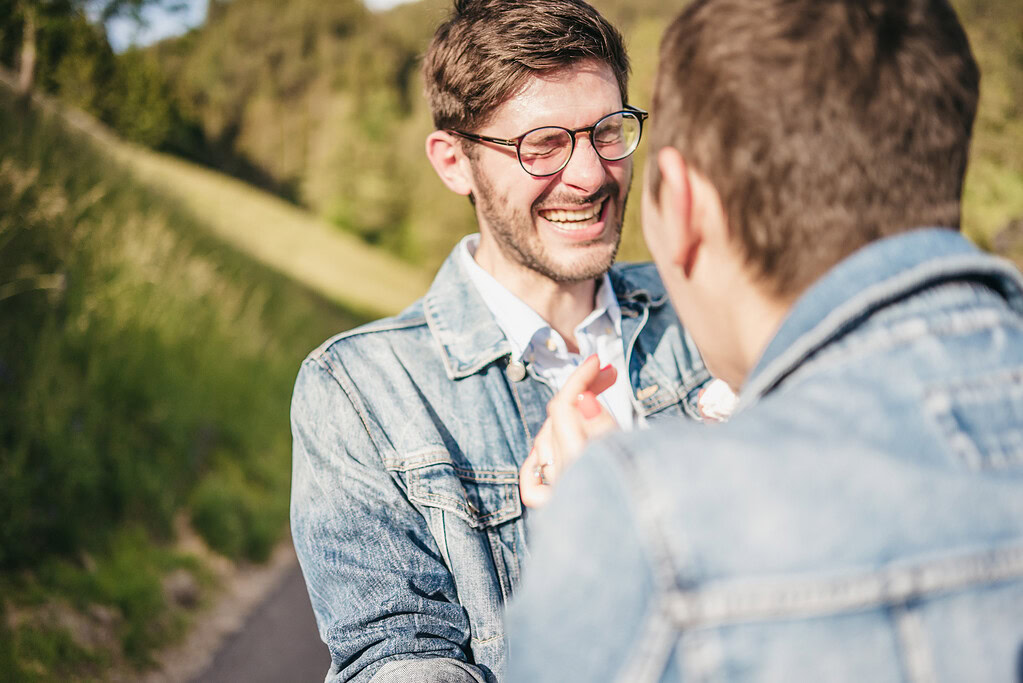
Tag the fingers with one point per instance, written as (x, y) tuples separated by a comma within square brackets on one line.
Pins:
[(598, 421), (605, 380), (537, 474), (533, 493), (568, 433), (588, 405), (573, 424), (574, 417), (589, 376)]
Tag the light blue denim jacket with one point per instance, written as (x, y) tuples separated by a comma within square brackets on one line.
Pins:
[(860, 518), (408, 436)]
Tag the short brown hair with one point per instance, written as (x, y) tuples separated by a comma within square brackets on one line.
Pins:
[(823, 124), (485, 51)]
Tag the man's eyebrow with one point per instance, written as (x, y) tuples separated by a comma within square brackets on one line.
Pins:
[(546, 123)]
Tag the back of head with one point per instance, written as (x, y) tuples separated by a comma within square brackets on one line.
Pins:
[(823, 124), (483, 54)]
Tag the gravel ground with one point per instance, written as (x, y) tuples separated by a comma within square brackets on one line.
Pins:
[(279, 641)]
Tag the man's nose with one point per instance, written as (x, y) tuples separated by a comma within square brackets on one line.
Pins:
[(585, 170)]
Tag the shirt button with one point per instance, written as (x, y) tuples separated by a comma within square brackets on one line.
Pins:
[(551, 345)]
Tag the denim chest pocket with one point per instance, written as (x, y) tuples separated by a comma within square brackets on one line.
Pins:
[(483, 499), (982, 419)]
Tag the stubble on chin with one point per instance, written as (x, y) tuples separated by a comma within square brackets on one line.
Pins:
[(516, 237)]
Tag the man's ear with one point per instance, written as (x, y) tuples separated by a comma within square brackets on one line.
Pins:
[(448, 159), (675, 197)]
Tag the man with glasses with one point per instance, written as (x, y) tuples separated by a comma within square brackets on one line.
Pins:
[(409, 433)]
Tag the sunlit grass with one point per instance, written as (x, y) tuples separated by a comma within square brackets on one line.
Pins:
[(152, 365), (286, 237), (993, 196)]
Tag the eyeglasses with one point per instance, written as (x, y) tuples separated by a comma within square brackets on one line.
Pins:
[(547, 150)]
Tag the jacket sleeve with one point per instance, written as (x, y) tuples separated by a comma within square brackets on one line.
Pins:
[(384, 600)]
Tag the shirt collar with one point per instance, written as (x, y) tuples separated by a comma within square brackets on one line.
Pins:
[(467, 334), (523, 326), (517, 320)]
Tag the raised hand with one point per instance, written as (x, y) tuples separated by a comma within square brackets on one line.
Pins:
[(574, 416)]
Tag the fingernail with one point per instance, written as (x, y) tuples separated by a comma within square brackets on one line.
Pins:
[(587, 404)]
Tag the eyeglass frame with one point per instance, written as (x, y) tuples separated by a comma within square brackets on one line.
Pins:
[(640, 115)]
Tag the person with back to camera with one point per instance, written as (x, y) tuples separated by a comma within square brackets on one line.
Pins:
[(860, 517)]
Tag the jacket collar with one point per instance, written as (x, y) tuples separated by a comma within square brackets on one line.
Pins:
[(877, 275), (468, 335)]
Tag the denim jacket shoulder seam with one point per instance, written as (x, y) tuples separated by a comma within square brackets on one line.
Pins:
[(325, 363)]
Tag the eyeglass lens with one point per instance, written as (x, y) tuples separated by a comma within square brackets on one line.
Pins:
[(546, 151)]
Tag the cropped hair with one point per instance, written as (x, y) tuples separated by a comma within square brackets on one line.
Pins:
[(823, 124), (487, 49)]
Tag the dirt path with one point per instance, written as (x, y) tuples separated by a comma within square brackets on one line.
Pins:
[(279, 641), (259, 627)]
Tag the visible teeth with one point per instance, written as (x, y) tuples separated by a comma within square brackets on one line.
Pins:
[(572, 216)]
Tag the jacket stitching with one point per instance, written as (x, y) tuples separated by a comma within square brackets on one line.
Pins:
[(328, 366), (907, 331), (940, 402), (651, 649), (873, 298), (503, 477), (917, 657), (897, 584)]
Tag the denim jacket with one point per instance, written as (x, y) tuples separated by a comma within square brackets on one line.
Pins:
[(408, 437), (860, 518)]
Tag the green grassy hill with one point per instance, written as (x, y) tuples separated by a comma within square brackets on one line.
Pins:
[(146, 367)]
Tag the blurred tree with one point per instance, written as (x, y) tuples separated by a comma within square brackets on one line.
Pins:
[(138, 103), (27, 16), (62, 49)]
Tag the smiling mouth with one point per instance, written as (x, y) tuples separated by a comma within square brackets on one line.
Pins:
[(573, 218)]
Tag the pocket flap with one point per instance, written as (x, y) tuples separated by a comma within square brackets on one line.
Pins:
[(482, 498)]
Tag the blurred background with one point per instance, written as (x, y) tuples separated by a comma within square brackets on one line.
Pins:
[(193, 195)]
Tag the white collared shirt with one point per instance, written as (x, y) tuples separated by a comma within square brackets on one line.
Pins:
[(534, 342)]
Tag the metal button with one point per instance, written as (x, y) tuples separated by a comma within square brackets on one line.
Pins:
[(516, 371), (646, 392)]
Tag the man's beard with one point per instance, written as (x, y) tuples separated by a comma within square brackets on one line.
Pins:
[(515, 234)]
